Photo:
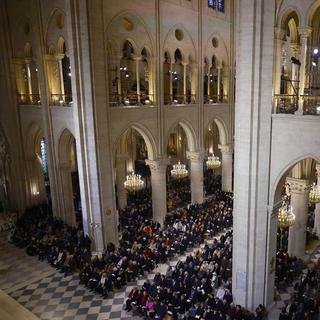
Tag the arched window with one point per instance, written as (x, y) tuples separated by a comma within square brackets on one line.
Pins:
[(44, 160), (66, 72), (216, 5), (221, 5)]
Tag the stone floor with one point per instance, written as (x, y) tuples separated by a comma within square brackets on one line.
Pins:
[(49, 295)]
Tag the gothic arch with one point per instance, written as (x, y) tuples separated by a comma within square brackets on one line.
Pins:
[(311, 12), (189, 131), (34, 134), (275, 195), (221, 52), (65, 142), (186, 45), (147, 136)]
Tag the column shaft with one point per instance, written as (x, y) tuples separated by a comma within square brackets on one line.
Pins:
[(120, 178), (196, 176), (299, 202), (226, 162), (317, 208), (159, 188)]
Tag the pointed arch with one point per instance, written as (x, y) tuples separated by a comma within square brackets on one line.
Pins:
[(221, 51), (146, 135), (66, 140), (189, 132), (276, 188)]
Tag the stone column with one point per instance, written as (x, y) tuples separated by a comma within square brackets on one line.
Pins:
[(208, 83), (28, 61), (251, 221), (196, 176), (66, 193), (120, 178), (317, 208), (304, 35), (137, 60), (299, 190), (171, 84), (159, 188), (295, 68), (218, 83), (279, 36), (184, 82), (119, 87), (226, 162), (59, 57)]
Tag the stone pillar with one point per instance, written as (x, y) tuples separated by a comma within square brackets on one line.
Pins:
[(317, 208), (184, 82), (29, 78), (299, 190), (208, 83), (196, 176), (119, 87), (218, 83), (137, 60), (295, 68), (171, 84), (159, 188), (120, 178), (66, 193), (304, 35), (279, 36), (251, 221), (59, 58), (227, 169)]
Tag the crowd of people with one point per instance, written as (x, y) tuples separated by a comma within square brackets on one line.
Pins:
[(178, 193), (211, 181), (199, 288), (305, 300)]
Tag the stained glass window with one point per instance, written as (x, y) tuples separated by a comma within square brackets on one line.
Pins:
[(212, 4), (44, 160), (221, 5)]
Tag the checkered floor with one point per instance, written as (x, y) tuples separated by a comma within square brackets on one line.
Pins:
[(49, 295)]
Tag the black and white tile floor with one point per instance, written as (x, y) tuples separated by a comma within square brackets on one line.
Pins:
[(49, 295)]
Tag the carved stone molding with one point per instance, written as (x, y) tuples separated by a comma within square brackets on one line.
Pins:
[(195, 156), (298, 185), (226, 148), (279, 34), (305, 32), (158, 165)]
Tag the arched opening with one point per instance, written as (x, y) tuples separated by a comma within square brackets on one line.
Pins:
[(167, 78), (213, 84), (212, 178), (70, 188), (178, 190), (293, 240), (132, 151), (27, 77)]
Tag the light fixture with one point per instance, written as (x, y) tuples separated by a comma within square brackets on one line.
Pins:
[(127, 102), (286, 217), (314, 194), (213, 162), (314, 64), (133, 182), (179, 171), (315, 51)]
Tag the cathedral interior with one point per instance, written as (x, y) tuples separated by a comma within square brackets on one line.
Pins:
[(159, 159)]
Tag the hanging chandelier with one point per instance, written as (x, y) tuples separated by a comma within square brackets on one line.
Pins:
[(179, 171), (314, 194), (286, 217), (213, 162), (133, 182)]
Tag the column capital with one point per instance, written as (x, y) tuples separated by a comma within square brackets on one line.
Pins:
[(59, 56), (298, 185), (305, 32), (195, 155), (296, 48), (157, 165), (137, 58), (226, 148), (279, 34)]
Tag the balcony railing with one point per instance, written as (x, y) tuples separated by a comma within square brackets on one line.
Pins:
[(214, 99), (285, 103), (29, 99), (132, 99), (179, 99), (289, 104), (60, 100)]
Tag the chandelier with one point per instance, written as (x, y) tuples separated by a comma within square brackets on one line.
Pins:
[(133, 182), (286, 217), (179, 171), (213, 162), (314, 194)]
